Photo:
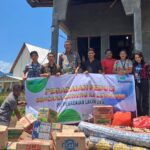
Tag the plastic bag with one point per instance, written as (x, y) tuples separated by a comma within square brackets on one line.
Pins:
[(142, 122), (122, 119)]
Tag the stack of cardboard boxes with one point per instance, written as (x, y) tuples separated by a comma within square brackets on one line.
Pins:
[(45, 134)]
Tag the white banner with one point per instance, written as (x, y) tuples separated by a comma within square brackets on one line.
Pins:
[(73, 96)]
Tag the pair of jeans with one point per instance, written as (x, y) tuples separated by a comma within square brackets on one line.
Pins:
[(142, 97)]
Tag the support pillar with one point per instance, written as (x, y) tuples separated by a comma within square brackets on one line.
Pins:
[(137, 29), (55, 31), (104, 44), (133, 7)]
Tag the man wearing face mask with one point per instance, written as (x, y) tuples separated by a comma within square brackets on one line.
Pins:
[(70, 60)]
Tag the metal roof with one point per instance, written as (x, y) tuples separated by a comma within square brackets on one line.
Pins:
[(42, 52)]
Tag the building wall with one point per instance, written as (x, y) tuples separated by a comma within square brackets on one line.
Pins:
[(23, 60), (98, 20), (146, 28)]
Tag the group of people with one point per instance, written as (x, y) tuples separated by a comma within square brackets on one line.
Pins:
[(70, 63)]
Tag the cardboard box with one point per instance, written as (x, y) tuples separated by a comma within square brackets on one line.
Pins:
[(56, 127), (109, 116), (41, 130), (104, 119), (52, 116), (102, 109), (34, 145), (14, 133), (69, 141), (11, 145), (69, 128), (50, 142), (53, 135), (25, 136), (3, 136), (43, 115), (26, 121)]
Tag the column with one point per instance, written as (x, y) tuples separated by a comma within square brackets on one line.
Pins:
[(104, 43), (137, 29), (55, 31)]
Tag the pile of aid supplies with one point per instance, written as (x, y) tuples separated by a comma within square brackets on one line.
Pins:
[(105, 130)]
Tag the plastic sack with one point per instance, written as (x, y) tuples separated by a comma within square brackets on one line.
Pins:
[(142, 122), (122, 119), (96, 143), (128, 137)]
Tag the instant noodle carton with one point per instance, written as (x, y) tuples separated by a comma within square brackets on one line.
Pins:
[(25, 136), (52, 116), (103, 119), (26, 121), (14, 133), (35, 145), (56, 127), (102, 114), (44, 114), (11, 145), (3, 136), (69, 141), (102, 109), (41, 130)]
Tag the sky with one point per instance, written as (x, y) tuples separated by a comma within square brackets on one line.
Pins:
[(20, 23)]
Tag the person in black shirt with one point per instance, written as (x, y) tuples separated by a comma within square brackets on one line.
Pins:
[(91, 65), (50, 68)]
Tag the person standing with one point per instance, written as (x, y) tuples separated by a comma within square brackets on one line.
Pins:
[(33, 69), (70, 60), (91, 65), (9, 105), (50, 68), (123, 65), (108, 62), (141, 71)]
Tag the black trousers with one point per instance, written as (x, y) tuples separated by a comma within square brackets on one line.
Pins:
[(142, 96)]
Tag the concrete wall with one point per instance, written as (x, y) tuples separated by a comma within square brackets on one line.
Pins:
[(98, 20), (146, 28)]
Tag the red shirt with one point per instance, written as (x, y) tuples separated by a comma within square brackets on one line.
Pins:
[(107, 65)]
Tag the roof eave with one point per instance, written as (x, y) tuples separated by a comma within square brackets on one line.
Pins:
[(40, 4)]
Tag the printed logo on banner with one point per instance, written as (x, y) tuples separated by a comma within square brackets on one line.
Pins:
[(36, 85), (124, 79), (70, 144)]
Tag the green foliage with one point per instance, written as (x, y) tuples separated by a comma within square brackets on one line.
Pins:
[(2, 98)]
